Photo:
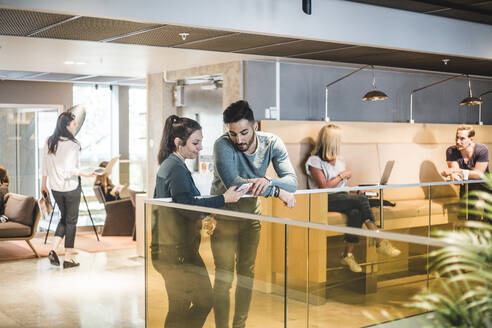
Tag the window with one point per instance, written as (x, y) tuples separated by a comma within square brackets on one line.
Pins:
[(97, 142), (95, 135)]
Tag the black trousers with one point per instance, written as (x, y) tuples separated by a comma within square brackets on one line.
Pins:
[(355, 206), (68, 202), (187, 285)]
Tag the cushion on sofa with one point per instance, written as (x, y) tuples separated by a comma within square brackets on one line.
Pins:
[(404, 209), (12, 229), (21, 209)]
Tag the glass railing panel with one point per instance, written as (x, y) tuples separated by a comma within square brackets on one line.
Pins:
[(359, 299), (300, 279), (447, 206), (183, 263), (405, 210)]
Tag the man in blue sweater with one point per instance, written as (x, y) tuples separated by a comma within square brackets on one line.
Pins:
[(243, 155)]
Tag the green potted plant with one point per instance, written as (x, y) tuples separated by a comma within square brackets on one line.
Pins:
[(462, 297)]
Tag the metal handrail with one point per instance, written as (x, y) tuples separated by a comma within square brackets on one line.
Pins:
[(304, 224)]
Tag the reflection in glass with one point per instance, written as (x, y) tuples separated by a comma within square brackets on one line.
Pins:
[(174, 252)]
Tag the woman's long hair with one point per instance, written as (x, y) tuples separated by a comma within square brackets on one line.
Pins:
[(4, 177), (103, 180), (175, 127), (328, 143), (61, 131)]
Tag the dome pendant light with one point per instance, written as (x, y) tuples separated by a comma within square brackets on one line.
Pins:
[(470, 100), (374, 95)]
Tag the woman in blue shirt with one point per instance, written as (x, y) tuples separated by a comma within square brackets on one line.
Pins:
[(176, 232)]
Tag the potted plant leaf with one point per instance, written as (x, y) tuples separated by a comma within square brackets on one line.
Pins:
[(461, 296)]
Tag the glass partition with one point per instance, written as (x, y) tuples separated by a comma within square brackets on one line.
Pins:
[(288, 267)]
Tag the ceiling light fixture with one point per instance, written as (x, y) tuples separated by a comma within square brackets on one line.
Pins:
[(373, 95), (306, 7), (184, 35), (425, 87), (69, 62), (470, 100)]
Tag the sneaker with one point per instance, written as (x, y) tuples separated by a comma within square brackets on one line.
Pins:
[(70, 264), (385, 248), (53, 257), (350, 261)]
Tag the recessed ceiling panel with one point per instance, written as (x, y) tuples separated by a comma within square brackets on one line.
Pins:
[(478, 17), (236, 42), (479, 11), (104, 79), (92, 29), (55, 77), (293, 48), (138, 82), (347, 54), (22, 22), (15, 75), (170, 35)]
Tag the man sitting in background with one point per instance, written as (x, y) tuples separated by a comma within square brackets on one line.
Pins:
[(467, 160)]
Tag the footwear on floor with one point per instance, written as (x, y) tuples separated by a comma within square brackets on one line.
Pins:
[(70, 264), (53, 257), (385, 248), (350, 261)]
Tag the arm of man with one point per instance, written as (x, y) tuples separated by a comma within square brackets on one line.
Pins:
[(481, 164), (478, 171), (453, 171), (287, 179)]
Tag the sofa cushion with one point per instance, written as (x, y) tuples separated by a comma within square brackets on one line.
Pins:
[(21, 209), (404, 209), (12, 229)]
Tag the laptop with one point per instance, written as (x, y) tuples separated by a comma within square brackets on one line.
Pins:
[(374, 202), (385, 177)]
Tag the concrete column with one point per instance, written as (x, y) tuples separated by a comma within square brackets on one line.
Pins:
[(160, 104)]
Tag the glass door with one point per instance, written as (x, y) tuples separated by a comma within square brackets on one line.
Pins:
[(23, 131)]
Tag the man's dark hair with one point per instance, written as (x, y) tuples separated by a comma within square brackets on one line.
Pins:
[(238, 111)]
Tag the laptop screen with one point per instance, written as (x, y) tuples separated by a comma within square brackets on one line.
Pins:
[(387, 172)]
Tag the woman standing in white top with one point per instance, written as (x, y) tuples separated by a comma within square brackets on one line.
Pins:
[(61, 168), (326, 169)]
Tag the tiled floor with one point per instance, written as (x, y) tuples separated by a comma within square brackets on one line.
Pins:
[(107, 290)]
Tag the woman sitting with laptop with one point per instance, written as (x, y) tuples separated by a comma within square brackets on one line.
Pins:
[(326, 169), (111, 192)]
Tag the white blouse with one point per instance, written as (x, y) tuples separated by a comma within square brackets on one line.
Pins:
[(62, 168), (330, 171)]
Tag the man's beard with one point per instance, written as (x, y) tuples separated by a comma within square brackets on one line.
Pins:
[(245, 146)]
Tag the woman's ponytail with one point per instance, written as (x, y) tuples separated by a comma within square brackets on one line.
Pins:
[(175, 127)]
